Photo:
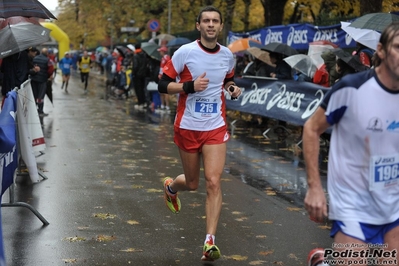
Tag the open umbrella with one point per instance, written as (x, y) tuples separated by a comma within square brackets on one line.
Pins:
[(18, 37), (122, 50), (151, 49), (102, 49), (179, 41), (243, 44), (279, 48), (261, 55), (374, 21), (15, 20), (165, 36), (25, 8), (303, 63), (367, 37), (352, 60), (317, 48), (131, 47)]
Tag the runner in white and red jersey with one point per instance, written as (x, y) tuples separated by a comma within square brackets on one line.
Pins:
[(363, 163), (201, 72)]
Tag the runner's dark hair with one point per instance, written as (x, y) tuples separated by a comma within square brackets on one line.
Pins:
[(386, 39), (209, 9)]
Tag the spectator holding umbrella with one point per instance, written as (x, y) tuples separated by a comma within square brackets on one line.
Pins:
[(282, 70)]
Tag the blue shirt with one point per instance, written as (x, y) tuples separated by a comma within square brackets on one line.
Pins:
[(65, 65)]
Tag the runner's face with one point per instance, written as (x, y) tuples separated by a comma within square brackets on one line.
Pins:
[(210, 26), (390, 57)]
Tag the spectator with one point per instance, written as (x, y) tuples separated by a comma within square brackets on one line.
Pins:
[(299, 76), (262, 69), (365, 54), (53, 58), (321, 76), (163, 50), (330, 61), (282, 70), (343, 69), (39, 80), (249, 69), (15, 71), (123, 81), (139, 76)]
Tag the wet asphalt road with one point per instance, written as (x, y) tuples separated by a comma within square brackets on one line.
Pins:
[(103, 197)]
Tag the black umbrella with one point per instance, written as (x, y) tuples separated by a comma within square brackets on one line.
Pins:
[(279, 48), (4, 22), (352, 60), (49, 90), (21, 36), (179, 41), (124, 51), (374, 21), (25, 8)]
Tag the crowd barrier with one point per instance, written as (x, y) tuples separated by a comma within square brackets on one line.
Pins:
[(285, 100), (21, 138)]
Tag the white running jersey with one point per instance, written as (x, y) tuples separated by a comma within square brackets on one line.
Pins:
[(363, 163), (205, 110)]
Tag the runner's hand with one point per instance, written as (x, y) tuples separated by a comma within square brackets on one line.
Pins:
[(316, 204), (201, 83)]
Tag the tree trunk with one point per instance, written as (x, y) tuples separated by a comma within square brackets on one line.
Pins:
[(370, 6), (273, 11), (228, 19), (246, 14)]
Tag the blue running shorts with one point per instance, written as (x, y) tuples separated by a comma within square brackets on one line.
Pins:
[(369, 233)]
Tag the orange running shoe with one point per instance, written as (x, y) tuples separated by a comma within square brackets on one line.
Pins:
[(172, 201)]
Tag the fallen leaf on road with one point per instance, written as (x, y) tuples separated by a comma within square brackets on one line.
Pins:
[(325, 227), (153, 190), (104, 216), (267, 252), (104, 238), (257, 262), (132, 222), (70, 260), (265, 222), (294, 209), (75, 239), (236, 257), (131, 250)]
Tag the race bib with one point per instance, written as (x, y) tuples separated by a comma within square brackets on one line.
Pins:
[(85, 66), (205, 107), (384, 171)]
